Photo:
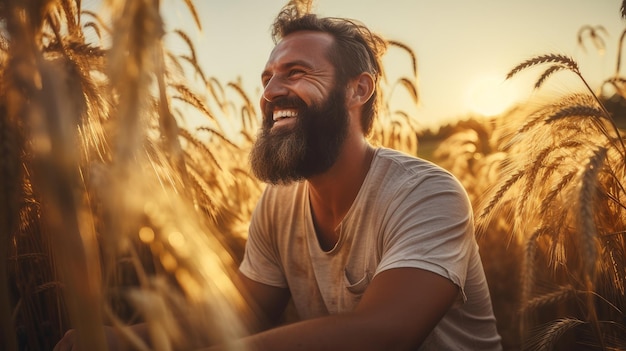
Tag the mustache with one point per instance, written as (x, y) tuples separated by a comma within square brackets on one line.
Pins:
[(283, 102)]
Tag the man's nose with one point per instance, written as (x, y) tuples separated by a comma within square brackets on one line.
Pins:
[(274, 88)]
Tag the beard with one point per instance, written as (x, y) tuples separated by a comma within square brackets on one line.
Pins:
[(309, 147)]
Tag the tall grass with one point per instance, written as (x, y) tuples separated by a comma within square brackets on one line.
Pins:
[(549, 193), (105, 220)]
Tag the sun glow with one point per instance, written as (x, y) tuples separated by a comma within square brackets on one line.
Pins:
[(490, 95)]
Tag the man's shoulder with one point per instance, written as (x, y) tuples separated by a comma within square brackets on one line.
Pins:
[(411, 166)]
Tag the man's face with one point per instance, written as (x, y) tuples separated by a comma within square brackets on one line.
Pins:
[(305, 119)]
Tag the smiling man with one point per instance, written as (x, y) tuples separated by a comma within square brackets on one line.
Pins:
[(375, 248)]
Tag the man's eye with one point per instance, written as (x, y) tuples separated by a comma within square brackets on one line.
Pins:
[(296, 72)]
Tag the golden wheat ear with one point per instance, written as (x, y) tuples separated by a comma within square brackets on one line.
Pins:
[(595, 34), (408, 51), (563, 61)]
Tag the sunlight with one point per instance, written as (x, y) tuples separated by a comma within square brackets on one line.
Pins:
[(490, 95)]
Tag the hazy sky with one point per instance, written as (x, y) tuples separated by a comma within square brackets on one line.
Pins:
[(464, 48)]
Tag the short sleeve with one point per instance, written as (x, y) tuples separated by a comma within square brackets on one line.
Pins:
[(430, 226), (261, 261)]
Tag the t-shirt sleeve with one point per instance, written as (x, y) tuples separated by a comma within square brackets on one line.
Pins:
[(430, 226), (261, 260)]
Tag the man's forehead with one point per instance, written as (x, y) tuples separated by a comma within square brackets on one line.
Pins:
[(306, 43)]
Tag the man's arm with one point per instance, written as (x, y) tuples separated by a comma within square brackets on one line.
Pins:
[(398, 310), (267, 302)]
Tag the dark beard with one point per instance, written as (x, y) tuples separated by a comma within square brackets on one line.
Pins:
[(309, 147)]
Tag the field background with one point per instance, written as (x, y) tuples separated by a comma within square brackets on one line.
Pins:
[(116, 209)]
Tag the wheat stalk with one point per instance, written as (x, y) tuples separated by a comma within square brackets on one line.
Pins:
[(501, 191), (565, 61), (548, 338), (410, 52), (547, 73), (587, 230), (186, 95), (11, 142), (100, 23), (528, 267), (556, 190), (562, 293), (194, 13), (594, 34)]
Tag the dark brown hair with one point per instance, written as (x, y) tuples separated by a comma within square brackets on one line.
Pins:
[(355, 50)]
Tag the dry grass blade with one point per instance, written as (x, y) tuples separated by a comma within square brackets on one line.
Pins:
[(95, 28), (194, 13), (576, 111), (189, 43), (216, 90), (528, 268), (548, 338), (218, 134), (72, 19), (69, 226), (587, 230), (563, 293), (131, 65), (101, 23), (546, 74), (193, 59), (168, 125), (553, 58), (237, 87), (10, 196), (410, 52), (618, 83), (502, 189), (538, 164), (557, 189), (595, 36), (248, 119), (618, 65), (596, 114), (203, 148), (539, 115), (174, 64), (196, 66), (192, 99), (410, 87)]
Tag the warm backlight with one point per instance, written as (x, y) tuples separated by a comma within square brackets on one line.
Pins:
[(490, 95)]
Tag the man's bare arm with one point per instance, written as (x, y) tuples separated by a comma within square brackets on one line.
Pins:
[(267, 302), (397, 312)]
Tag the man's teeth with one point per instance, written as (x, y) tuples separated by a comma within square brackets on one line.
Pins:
[(284, 114)]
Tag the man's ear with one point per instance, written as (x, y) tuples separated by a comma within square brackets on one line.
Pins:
[(361, 89)]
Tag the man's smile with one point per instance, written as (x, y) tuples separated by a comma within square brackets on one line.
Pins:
[(284, 117)]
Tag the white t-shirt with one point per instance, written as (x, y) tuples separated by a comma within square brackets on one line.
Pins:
[(408, 213)]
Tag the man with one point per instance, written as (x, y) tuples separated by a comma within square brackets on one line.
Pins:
[(375, 248)]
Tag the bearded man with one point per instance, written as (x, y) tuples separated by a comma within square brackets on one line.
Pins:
[(375, 248)]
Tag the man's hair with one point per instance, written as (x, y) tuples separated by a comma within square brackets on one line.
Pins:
[(355, 50)]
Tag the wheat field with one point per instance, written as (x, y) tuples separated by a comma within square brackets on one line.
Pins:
[(113, 213)]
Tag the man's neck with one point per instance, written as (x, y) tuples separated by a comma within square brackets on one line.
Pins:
[(333, 192)]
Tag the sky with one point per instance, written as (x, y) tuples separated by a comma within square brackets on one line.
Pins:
[(464, 48)]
